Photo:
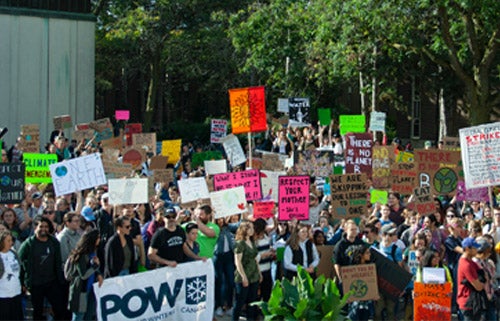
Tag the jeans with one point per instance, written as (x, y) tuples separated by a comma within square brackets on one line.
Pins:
[(224, 279), (54, 293), (245, 295)]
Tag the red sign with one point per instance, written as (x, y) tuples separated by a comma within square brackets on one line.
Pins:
[(263, 209)]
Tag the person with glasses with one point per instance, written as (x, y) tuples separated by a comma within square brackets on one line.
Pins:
[(119, 251)]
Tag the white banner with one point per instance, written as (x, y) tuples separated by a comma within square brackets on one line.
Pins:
[(77, 174), (229, 202), (233, 149), (193, 189), (183, 293), (213, 167), (128, 191)]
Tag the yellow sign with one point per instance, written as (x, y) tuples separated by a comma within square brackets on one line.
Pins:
[(171, 149)]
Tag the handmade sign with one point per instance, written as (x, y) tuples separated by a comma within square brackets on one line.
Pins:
[(423, 200), (213, 167), (29, 141), (264, 209), (77, 174), (103, 129), (83, 135), (115, 143), (361, 279), (163, 175), (122, 114), (404, 157), (348, 195), (249, 179), (412, 262), (391, 278), (198, 158), (12, 183), (135, 156), (172, 149), (248, 110), (451, 143), (283, 105), (403, 177), (37, 167), (325, 266), (269, 182), (293, 197), (480, 147), (130, 130), (62, 122), (273, 161), (432, 302), (193, 189), (352, 124), (299, 112), (479, 194), (158, 162), (324, 116), (117, 170), (358, 157), (82, 126), (168, 294), (128, 191), (229, 202), (147, 141), (378, 196), (381, 166), (233, 150), (439, 169), (218, 130), (314, 163), (377, 121)]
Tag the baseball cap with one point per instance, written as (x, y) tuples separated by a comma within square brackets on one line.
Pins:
[(36, 195), (169, 211), (105, 195), (484, 244), (470, 242), (388, 229), (88, 214)]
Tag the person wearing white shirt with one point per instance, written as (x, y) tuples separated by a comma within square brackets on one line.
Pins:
[(300, 250)]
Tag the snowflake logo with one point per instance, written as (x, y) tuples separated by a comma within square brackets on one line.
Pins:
[(196, 289)]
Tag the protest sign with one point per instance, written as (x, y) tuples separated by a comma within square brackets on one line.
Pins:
[(193, 189), (293, 197), (439, 169), (198, 159), (83, 126), (299, 112), (77, 174), (480, 147), (215, 166), (378, 196), (432, 302), (358, 157), (403, 177), (381, 166), (324, 116), (228, 202), (325, 266), (404, 157), (273, 161), (391, 278), (100, 125), (12, 183), (451, 143), (264, 209), (362, 280), (172, 149), (433, 275), (128, 191), (147, 141), (29, 141), (158, 162), (283, 105), (117, 170), (423, 200), (479, 194), (348, 195), (233, 149), (377, 121), (314, 163), (122, 114), (218, 130), (412, 262), (269, 182), (83, 135), (163, 175), (135, 156), (249, 179), (130, 130), (62, 122), (352, 124), (115, 142), (37, 167), (248, 110), (170, 294)]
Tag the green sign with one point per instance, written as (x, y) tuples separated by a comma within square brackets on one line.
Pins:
[(324, 116), (37, 167), (199, 158), (352, 124), (380, 196)]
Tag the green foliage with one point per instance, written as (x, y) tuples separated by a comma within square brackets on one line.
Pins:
[(304, 299)]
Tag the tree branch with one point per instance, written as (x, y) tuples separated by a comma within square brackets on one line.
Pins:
[(472, 39)]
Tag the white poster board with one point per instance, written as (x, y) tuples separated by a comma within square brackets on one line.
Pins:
[(433, 275), (77, 174), (233, 149), (229, 202), (377, 121), (213, 167), (218, 130), (193, 189), (269, 183), (128, 191)]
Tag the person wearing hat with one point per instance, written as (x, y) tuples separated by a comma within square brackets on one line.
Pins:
[(88, 216), (468, 280), (167, 244), (484, 261)]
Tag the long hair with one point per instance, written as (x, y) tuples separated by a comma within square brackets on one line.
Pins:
[(3, 235), (242, 232), (294, 241), (85, 246)]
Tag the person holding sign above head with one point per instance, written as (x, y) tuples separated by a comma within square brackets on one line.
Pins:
[(300, 250)]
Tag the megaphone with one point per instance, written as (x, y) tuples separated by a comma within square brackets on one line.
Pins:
[(3, 131)]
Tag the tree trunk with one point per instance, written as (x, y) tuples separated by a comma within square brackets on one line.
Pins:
[(152, 90)]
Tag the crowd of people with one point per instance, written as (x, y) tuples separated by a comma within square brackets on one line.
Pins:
[(53, 249)]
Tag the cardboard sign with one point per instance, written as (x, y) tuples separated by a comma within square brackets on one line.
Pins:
[(122, 114), (293, 197), (233, 149), (423, 201), (248, 110), (115, 143), (269, 182), (348, 195), (439, 169), (229, 202), (158, 162), (325, 266), (62, 122), (391, 278), (130, 130), (128, 191), (193, 189), (324, 116), (12, 183), (172, 149), (198, 159), (163, 175), (381, 166), (480, 147), (273, 161), (249, 179), (134, 156), (404, 157), (362, 280), (263, 209), (403, 178), (213, 167), (82, 126), (378, 196), (218, 130), (37, 167), (314, 163), (358, 157), (83, 135), (352, 124), (77, 174), (147, 141), (377, 121), (117, 170), (480, 194), (29, 141), (100, 125), (432, 302), (299, 112)]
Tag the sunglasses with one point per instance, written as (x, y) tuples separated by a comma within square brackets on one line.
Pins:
[(48, 212), (127, 227), (366, 232)]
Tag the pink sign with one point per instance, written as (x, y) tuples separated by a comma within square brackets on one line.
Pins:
[(263, 209), (122, 114), (293, 197), (249, 179), (479, 194)]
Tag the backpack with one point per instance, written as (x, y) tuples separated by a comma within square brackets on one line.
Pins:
[(69, 270)]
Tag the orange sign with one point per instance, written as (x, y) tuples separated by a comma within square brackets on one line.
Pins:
[(432, 302), (248, 110)]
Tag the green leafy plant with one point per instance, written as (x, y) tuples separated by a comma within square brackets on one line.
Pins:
[(304, 299)]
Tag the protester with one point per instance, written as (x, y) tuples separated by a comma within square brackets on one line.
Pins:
[(224, 267), (360, 310), (167, 245), (69, 236), (300, 250), (119, 250), (351, 237), (10, 297)]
